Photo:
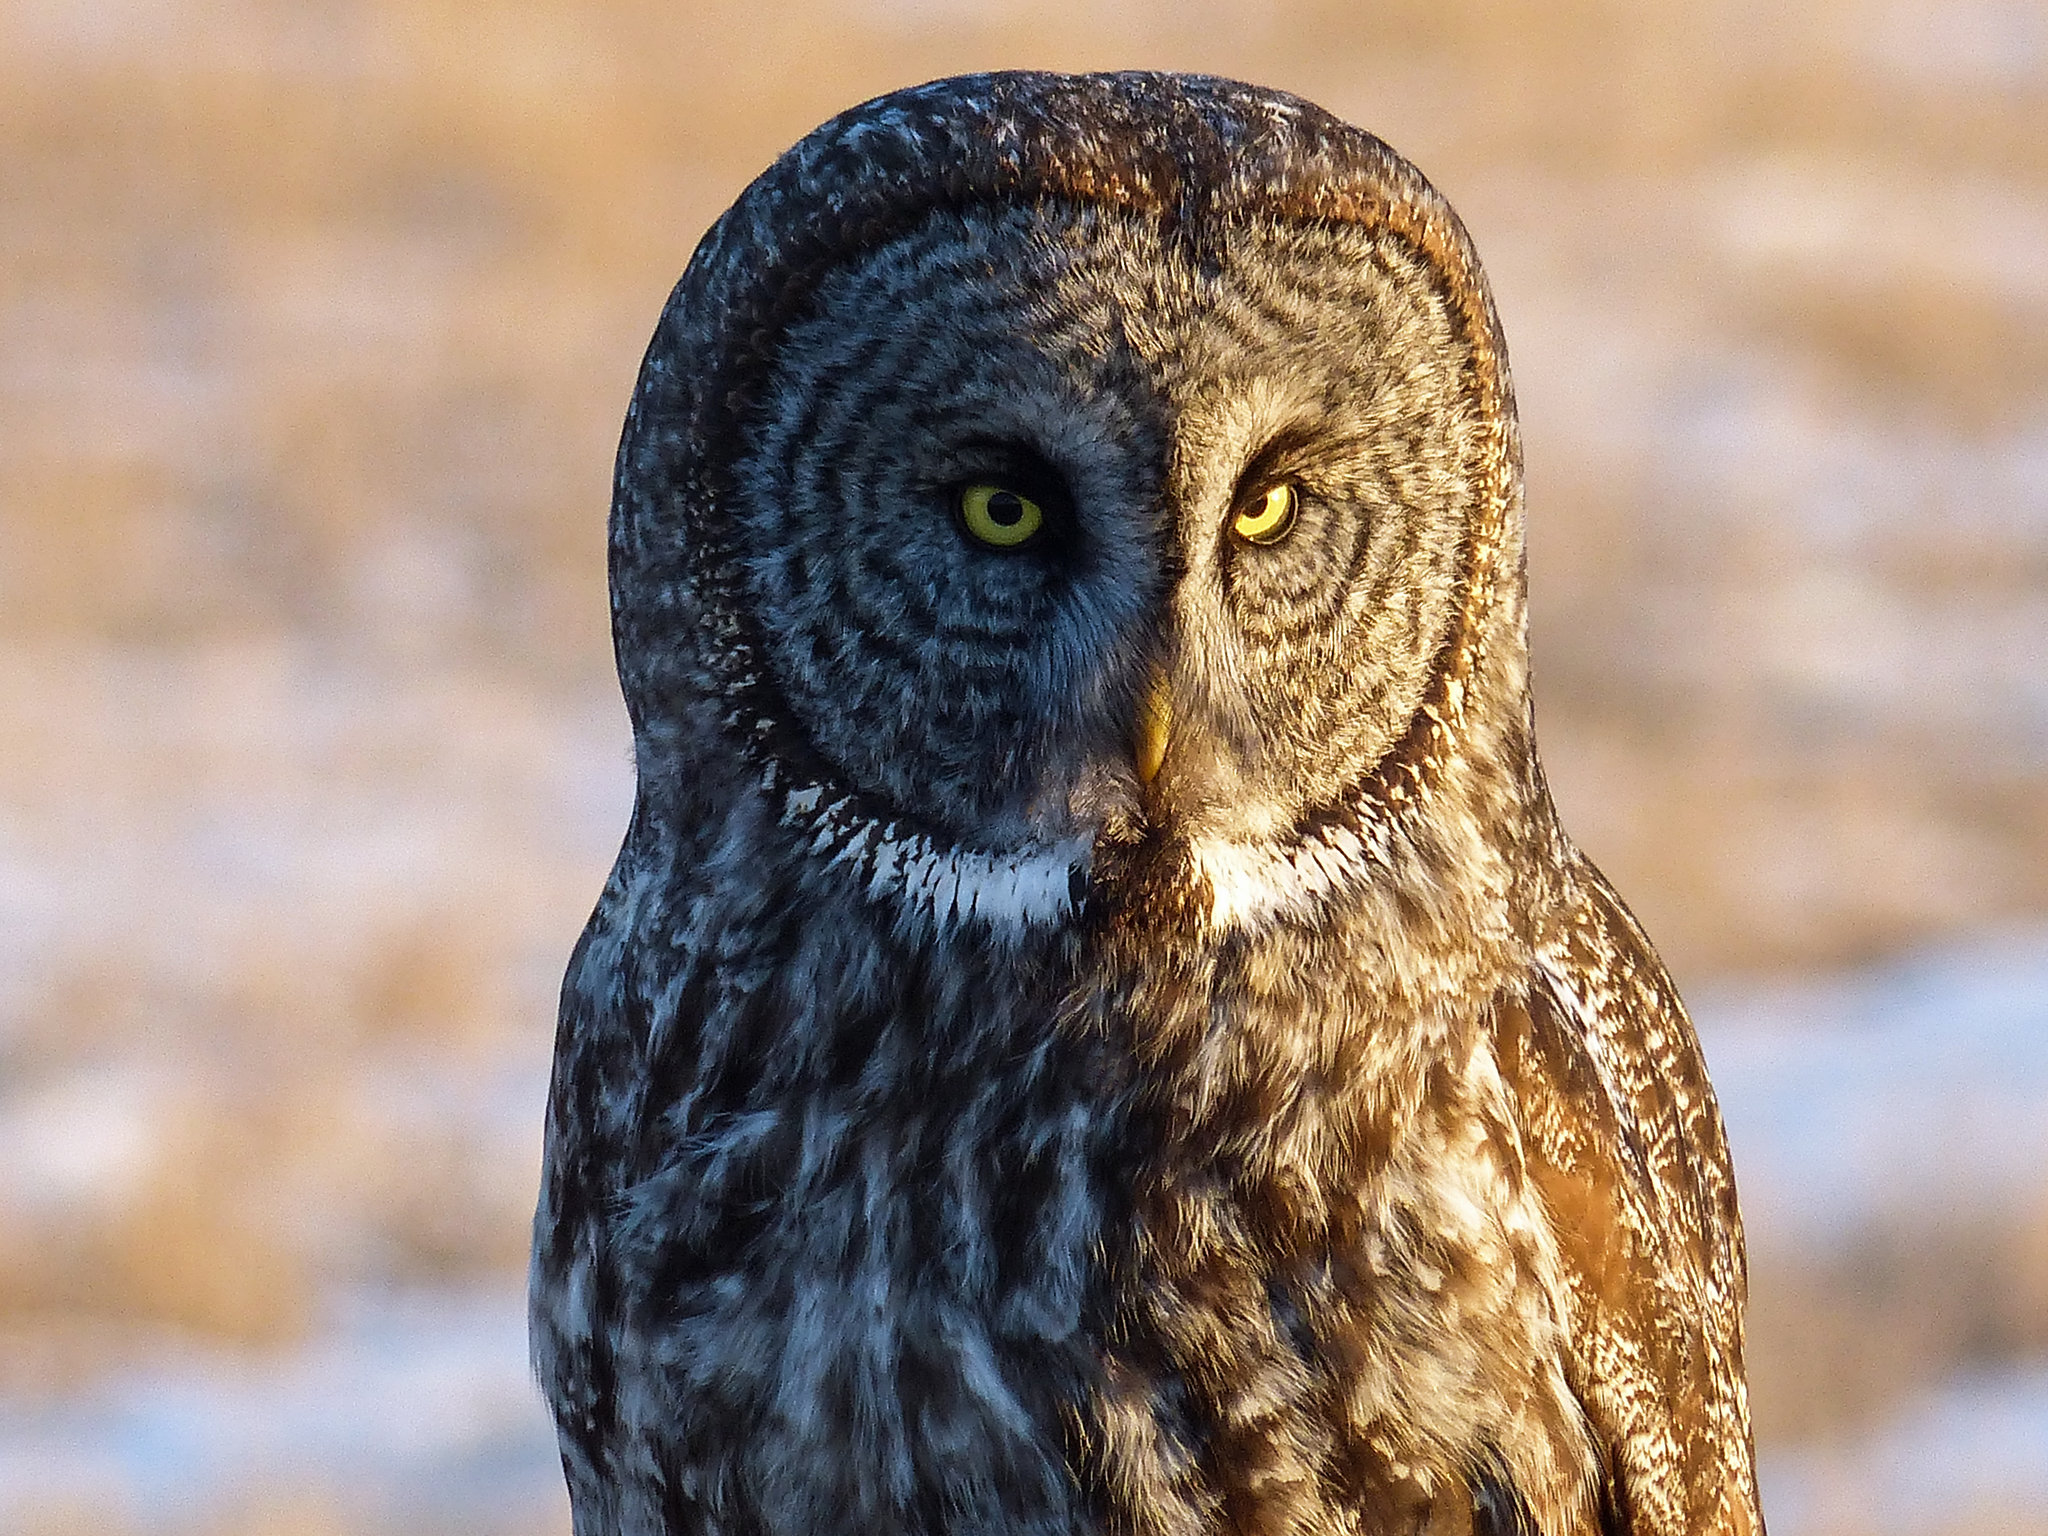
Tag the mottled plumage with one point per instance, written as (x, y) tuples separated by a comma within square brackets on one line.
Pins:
[(954, 1129)]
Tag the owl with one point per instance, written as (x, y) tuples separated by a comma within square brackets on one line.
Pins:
[(1094, 1026)]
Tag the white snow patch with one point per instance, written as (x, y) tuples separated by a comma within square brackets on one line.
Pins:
[(411, 1408), (1975, 1457), (1921, 1085)]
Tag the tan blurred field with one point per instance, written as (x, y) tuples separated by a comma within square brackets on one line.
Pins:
[(317, 321)]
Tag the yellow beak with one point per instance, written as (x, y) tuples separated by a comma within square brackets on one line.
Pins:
[(1154, 723)]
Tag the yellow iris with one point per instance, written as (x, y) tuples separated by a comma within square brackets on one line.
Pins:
[(1267, 520), (999, 516)]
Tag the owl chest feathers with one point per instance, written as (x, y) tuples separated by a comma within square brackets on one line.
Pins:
[(1152, 1230), (1344, 1305)]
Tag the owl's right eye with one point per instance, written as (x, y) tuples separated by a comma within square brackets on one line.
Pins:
[(999, 517), (1267, 518)]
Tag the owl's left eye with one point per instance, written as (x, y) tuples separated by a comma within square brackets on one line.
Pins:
[(1268, 517), (998, 516)]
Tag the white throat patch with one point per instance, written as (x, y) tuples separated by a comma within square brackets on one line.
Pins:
[(948, 886), (1255, 883)]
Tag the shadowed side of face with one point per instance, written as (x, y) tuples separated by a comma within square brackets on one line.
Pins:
[(1023, 479)]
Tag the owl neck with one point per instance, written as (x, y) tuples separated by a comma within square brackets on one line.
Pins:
[(1319, 1165), (1292, 1026)]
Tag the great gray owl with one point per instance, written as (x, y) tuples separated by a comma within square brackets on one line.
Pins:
[(1095, 1026)]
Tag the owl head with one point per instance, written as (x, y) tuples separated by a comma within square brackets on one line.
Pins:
[(1036, 476)]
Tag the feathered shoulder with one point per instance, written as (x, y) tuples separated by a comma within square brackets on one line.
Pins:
[(1625, 1140)]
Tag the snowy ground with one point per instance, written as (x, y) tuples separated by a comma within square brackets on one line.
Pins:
[(409, 1414), (1909, 1098), (1918, 1086), (1921, 1086), (1973, 1457)]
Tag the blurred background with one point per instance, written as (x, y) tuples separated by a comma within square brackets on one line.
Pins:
[(317, 322)]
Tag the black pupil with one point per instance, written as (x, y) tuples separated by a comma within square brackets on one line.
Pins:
[(1006, 509)]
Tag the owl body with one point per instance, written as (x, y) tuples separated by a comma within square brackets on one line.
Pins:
[(1094, 1025)]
